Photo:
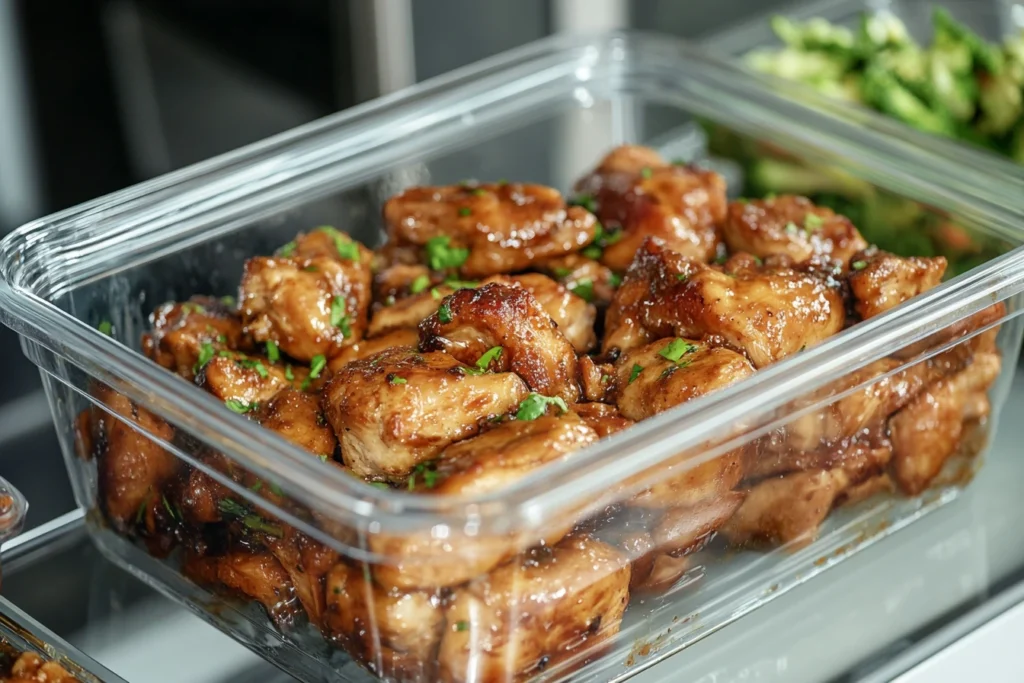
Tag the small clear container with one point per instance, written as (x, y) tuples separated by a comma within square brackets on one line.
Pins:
[(27, 648), (595, 567)]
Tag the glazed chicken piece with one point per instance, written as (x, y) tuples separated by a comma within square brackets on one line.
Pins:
[(661, 375), (928, 431), (401, 408), (637, 195), (393, 633), (407, 337), (254, 575), (880, 281), (29, 667), (297, 416), (326, 242), (476, 466), (603, 418), (571, 312), (768, 313), (471, 322), (408, 312), (184, 333), (398, 280), (583, 276), (792, 226), (546, 606), (307, 563), (596, 380), (481, 230), (133, 468), (246, 381), (308, 307)]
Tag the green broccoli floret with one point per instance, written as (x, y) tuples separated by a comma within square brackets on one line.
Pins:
[(794, 64), (815, 34), (878, 31), (954, 93), (772, 175), (949, 34), (882, 91), (1001, 104)]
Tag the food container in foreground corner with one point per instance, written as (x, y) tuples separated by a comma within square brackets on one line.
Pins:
[(28, 650), (595, 567), (894, 225)]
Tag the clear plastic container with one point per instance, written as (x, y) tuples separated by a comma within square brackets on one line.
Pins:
[(27, 648), (530, 580)]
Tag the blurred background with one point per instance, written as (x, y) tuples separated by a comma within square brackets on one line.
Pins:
[(96, 95)]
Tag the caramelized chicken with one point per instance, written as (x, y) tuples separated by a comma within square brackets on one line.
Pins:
[(603, 418), (927, 432), (245, 380), (184, 333), (767, 315), (399, 279), (408, 337), (482, 230), (135, 468), (571, 311), (255, 575), (408, 312), (395, 633), (637, 195), (471, 322), (308, 306), (488, 462), (401, 408), (584, 276), (880, 281), (326, 242), (791, 226), (307, 563), (297, 416), (29, 667), (668, 372), (534, 612)]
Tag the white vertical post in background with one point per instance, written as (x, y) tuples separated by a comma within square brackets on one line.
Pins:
[(383, 55), (20, 195), (588, 132)]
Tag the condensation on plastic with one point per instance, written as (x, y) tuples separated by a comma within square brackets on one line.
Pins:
[(118, 257)]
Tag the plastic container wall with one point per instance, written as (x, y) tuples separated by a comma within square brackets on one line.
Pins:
[(596, 565)]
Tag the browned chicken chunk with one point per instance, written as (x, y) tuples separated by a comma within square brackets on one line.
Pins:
[(603, 418), (471, 322), (534, 612), (297, 416), (637, 195), (245, 381), (880, 281), (482, 230), (571, 312), (307, 563), (401, 408), (255, 575), (408, 337), (927, 432), (326, 242), (29, 667), (583, 276), (791, 226), (407, 312), (308, 307), (184, 335), (394, 633)]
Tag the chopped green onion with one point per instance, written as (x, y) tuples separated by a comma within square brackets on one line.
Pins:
[(812, 221), (676, 349), (444, 313), (615, 280), (791, 228), (562, 273), (339, 317), (419, 284), (256, 365), (395, 379), (646, 172), (288, 374), (465, 211), (323, 458), (682, 277), (592, 252), (584, 289), (490, 355), (859, 265), (287, 250), (170, 510), (587, 201), (535, 405), (440, 255), (273, 352), (192, 307), (241, 407), (455, 283), (228, 301), (316, 366), (380, 485), (461, 625), (435, 294), (206, 354), (637, 369)]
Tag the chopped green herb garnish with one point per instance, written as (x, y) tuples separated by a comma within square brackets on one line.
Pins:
[(206, 354), (721, 259), (170, 510), (339, 316), (317, 365), (395, 379), (224, 353), (221, 339), (490, 355), (428, 473), (646, 172), (257, 486), (670, 369), (461, 625), (593, 252), (536, 405), (288, 249), (419, 284), (444, 313), (390, 301), (682, 277), (440, 255), (615, 280), (465, 211), (343, 244), (251, 521), (323, 458), (859, 265), (435, 294), (791, 228), (273, 352), (584, 289), (635, 372), (143, 505), (676, 349), (604, 238), (380, 485), (812, 221), (288, 374), (256, 365), (310, 269), (228, 301), (605, 379), (479, 191), (276, 490), (562, 273), (455, 283), (192, 307), (587, 201), (241, 407)]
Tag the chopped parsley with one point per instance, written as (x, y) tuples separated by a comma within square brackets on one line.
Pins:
[(435, 294), (635, 372), (587, 201), (584, 289), (646, 172), (479, 191), (273, 353), (682, 277), (143, 505), (191, 307), (288, 374), (395, 379), (593, 252), (228, 301), (455, 283), (615, 279), (232, 508), (427, 472), (606, 238), (441, 255), (379, 485), (343, 244), (536, 405), (419, 284), (562, 273), (317, 365), (170, 510), (241, 407), (676, 349), (288, 249), (490, 355), (444, 313), (339, 316), (812, 222), (390, 301), (252, 364), (323, 458), (462, 625), (859, 265), (465, 211), (206, 354), (791, 228)]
